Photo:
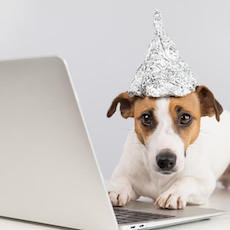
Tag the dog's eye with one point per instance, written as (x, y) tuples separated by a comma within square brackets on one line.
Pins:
[(147, 119), (185, 119)]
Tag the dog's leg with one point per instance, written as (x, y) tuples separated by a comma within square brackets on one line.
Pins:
[(121, 191), (225, 178), (184, 190)]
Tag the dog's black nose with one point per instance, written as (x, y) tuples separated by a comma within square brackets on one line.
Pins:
[(166, 160)]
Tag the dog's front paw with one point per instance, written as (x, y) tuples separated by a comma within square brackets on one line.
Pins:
[(171, 199), (119, 198)]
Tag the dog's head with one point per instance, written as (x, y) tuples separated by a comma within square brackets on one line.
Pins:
[(167, 126)]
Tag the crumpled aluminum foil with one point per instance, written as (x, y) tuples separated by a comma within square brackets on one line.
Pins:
[(163, 73)]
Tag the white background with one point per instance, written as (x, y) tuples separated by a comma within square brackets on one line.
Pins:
[(104, 42)]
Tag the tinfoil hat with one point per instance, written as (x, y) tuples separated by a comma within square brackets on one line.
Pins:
[(163, 72)]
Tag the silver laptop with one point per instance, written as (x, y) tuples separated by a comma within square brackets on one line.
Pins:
[(48, 169)]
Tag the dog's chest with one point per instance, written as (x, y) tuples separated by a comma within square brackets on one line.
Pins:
[(151, 185)]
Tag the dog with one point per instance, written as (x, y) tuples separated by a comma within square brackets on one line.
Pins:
[(176, 152)]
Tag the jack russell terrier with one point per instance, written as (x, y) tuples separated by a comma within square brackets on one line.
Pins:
[(175, 154)]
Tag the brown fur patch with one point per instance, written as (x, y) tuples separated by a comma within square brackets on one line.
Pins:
[(144, 105), (190, 104), (126, 105), (208, 104)]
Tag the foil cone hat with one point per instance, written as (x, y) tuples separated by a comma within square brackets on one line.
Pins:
[(163, 73)]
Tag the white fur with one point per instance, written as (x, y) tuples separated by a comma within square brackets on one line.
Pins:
[(164, 137), (197, 173)]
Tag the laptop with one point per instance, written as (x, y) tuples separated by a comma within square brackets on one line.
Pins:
[(48, 169)]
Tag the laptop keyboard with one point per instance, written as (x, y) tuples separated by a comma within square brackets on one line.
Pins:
[(125, 216)]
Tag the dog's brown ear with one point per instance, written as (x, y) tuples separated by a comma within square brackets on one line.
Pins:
[(126, 105), (208, 104)]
